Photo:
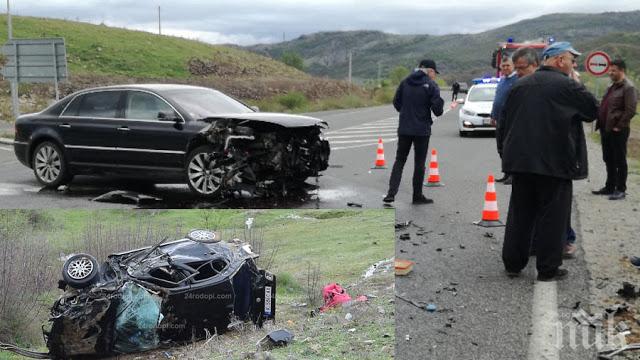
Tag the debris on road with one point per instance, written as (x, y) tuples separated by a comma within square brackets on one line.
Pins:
[(610, 354), (635, 261), (431, 307), (405, 236), (276, 338), (628, 291), (352, 204), (120, 196), (403, 267), (403, 225), (488, 235)]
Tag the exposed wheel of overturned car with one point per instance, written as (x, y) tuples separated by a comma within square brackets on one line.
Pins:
[(80, 270), (49, 165), (204, 173)]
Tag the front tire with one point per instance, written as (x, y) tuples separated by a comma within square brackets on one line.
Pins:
[(463, 133), (49, 165), (204, 173)]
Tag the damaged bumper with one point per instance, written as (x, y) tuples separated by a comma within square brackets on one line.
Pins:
[(171, 293)]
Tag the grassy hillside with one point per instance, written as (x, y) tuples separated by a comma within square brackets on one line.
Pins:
[(461, 56), (103, 50)]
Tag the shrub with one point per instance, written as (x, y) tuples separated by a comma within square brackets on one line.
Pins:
[(293, 100)]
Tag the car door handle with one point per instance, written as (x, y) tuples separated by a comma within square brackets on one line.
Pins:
[(65, 125), (124, 128)]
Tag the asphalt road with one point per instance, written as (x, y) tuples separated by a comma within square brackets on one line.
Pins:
[(481, 314)]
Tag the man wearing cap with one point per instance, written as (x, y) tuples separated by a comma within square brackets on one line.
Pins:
[(544, 150), (614, 118), (416, 97)]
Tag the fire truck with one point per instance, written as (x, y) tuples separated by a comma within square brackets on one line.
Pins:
[(509, 47)]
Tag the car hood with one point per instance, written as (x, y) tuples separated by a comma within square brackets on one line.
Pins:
[(480, 107), (286, 120)]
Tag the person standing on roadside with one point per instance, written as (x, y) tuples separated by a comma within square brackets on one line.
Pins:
[(455, 89), (506, 82), (416, 97), (617, 108), (544, 149)]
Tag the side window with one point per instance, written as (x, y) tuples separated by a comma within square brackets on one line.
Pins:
[(145, 106), (72, 109), (102, 104)]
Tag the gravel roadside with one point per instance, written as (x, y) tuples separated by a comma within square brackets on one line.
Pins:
[(610, 232)]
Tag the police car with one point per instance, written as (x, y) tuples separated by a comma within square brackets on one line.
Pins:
[(475, 114)]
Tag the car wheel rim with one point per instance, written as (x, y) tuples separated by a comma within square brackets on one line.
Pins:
[(80, 268), (48, 164), (203, 174), (202, 235)]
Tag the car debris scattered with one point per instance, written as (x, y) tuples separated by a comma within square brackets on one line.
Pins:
[(610, 354), (276, 338), (120, 196), (172, 292), (352, 204), (628, 291), (403, 267)]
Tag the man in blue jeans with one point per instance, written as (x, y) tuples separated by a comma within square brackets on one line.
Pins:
[(416, 97)]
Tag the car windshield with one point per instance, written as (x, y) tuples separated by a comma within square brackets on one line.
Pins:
[(202, 103), (482, 94)]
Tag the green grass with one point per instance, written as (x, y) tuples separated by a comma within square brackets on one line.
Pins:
[(103, 50)]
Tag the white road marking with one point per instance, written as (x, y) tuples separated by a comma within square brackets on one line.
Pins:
[(362, 145), (6, 148), (372, 141), (351, 136), (542, 342)]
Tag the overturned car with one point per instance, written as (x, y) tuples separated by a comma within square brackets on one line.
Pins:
[(173, 292), (167, 133)]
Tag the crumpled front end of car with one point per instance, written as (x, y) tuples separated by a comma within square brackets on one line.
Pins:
[(256, 156)]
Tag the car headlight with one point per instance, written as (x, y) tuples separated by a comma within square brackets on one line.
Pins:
[(468, 112)]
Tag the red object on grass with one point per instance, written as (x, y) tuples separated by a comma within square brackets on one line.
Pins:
[(334, 295)]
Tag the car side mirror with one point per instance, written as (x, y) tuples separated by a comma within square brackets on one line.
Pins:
[(255, 108), (169, 116)]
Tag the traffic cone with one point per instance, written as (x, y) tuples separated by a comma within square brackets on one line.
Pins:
[(490, 216), (434, 174), (380, 156)]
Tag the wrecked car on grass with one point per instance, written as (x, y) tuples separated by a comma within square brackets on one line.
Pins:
[(173, 292), (171, 133)]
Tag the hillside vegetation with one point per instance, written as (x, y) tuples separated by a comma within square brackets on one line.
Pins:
[(101, 55), (459, 56)]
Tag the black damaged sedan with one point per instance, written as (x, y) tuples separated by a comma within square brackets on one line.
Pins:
[(171, 133)]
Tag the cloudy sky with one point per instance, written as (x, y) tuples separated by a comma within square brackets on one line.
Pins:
[(259, 21)]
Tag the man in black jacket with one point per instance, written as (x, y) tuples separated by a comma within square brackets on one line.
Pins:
[(544, 149), (417, 96)]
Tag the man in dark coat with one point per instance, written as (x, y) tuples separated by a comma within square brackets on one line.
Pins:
[(416, 97), (544, 149), (616, 110), (455, 89)]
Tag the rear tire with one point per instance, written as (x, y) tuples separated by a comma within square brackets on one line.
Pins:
[(49, 165), (203, 172)]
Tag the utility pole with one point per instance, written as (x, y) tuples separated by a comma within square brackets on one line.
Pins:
[(14, 83), (9, 21), (350, 58), (159, 22)]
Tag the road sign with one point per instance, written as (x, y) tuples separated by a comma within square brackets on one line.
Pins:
[(598, 63), (35, 60)]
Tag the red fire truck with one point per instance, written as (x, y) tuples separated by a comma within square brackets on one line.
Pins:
[(507, 48)]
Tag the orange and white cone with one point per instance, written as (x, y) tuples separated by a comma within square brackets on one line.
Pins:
[(490, 215), (380, 164), (433, 179)]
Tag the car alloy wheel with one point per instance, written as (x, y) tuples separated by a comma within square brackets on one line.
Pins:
[(203, 173), (49, 165), (80, 268), (205, 236)]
